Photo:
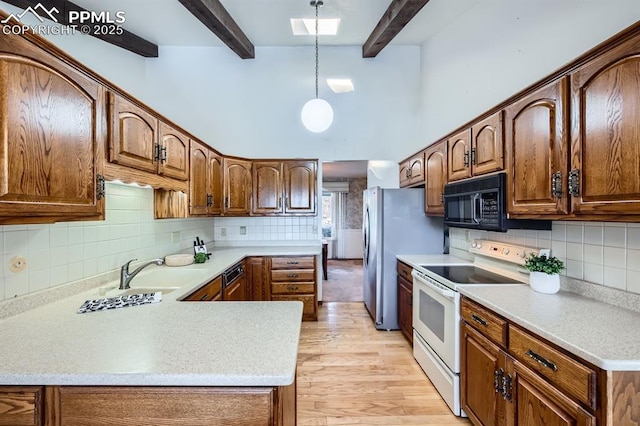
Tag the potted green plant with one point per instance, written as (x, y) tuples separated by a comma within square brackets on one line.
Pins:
[(544, 271)]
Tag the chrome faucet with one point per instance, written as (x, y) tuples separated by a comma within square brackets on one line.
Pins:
[(126, 276)]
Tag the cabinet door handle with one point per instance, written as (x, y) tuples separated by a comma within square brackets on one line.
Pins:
[(479, 320), (226, 202), (556, 184), (473, 156), (204, 297), (541, 360), (507, 387), (292, 275), (279, 202), (465, 158), (573, 182), (156, 152), (163, 154), (497, 380), (100, 188), (405, 273), (292, 288)]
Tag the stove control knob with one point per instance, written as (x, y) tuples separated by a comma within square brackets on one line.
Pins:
[(505, 251)]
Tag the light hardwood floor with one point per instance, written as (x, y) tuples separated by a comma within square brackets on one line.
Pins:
[(349, 373)]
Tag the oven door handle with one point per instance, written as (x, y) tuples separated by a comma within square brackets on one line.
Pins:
[(476, 206), (449, 294)]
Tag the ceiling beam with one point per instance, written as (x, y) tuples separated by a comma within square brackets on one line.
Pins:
[(215, 17), (397, 15), (126, 40)]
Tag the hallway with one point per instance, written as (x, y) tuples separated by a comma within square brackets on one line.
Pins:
[(349, 373), (344, 283)]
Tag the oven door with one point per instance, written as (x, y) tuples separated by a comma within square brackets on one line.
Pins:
[(436, 319)]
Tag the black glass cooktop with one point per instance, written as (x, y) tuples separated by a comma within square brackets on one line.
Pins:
[(469, 275)]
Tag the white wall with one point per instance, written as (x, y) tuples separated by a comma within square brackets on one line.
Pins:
[(500, 47), (252, 107)]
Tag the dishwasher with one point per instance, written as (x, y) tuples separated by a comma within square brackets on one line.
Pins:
[(234, 283)]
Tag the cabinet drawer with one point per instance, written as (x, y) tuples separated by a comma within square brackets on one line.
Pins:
[(569, 375), (21, 405), (207, 292), (404, 271), (301, 262), (488, 323), (309, 301), (293, 275), (285, 288)]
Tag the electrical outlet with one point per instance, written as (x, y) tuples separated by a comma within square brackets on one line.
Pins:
[(175, 237), (545, 252), (17, 264), (223, 232), (243, 230)]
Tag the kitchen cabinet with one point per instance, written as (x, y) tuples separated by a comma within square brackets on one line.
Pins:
[(137, 139), (248, 406), (236, 291), (294, 278), (48, 173), (212, 291), (237, 187), (205, 182), (511, 377), (537, 151), (412, 171), (478, 149), (257, 278), (22, 405), (405, 300), (267, 187), (603, 178), (300, 187), (435, 178)]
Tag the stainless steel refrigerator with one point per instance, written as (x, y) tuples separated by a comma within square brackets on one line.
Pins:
[(393, 223)]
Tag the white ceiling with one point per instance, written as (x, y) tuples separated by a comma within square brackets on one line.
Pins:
[(344, 169), (266, 22)]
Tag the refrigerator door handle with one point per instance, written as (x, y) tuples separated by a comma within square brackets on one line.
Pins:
[(365, 236)]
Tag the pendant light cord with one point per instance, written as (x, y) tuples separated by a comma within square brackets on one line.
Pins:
[(317, 3)]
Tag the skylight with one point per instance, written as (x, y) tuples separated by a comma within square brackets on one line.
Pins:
[(308, 26), (340, 85)]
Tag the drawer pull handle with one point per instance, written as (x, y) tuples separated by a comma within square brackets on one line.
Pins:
[(292, 288), (541, 360), (507, 387), (292, 263), (204, 297), (479, 320), (292, 275), (405, 273)]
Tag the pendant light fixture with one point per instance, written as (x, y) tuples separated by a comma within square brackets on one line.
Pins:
[(317, 114)]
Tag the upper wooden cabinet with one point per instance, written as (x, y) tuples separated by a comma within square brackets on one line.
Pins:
[(267, 187), (412, 171), (435, 177), (537, 150), (300, 181), (139, 140), (237, 187), (477, 150), (605, 145), (53, 133), (205, 182)]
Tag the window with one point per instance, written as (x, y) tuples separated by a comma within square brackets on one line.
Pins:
[(328, 215)]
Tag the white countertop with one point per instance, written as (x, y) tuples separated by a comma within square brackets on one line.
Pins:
[(170, 343), (602, 334)]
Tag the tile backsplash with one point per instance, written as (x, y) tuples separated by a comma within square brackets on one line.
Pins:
[(68, 251), (605, 253), (238, 229)]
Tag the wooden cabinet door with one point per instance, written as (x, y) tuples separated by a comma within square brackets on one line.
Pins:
[(214, 187), (481, 369), (487, 150), (267, 187), (198, 180), (405, 173), (605, 146), (22, 405), (133, 135), (416, 169), (405, 308), (535, 402), (537, 152), (236, 292), (300, 187), (257, 279), (53, 125), (174, 153), (237, 187), (459, 156), (435, 177)]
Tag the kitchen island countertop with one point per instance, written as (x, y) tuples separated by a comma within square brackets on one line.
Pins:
[(171, 343)]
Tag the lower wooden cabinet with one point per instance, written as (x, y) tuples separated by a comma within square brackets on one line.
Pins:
[(405, 300), (294, 278), (209, 292), (257, 278), (236, 291), (21, 405), (147, 406), (503, 385)]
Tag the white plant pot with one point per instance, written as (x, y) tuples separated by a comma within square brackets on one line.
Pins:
[(544, 283)]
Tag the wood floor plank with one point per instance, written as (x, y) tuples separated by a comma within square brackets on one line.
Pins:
[(349, 373)]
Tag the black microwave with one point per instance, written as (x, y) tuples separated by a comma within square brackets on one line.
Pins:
[(480, 203)]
